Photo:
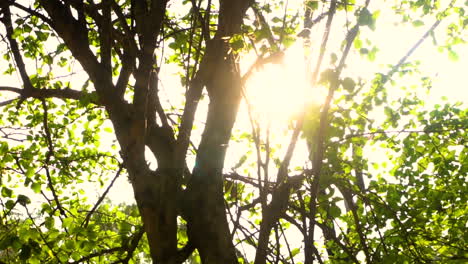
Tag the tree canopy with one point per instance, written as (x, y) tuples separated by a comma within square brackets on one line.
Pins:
[(371, 173)]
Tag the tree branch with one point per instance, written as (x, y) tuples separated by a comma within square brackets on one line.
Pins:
[(101, 199), (66, 93), (29, 11), (6, 20), (74, 33)]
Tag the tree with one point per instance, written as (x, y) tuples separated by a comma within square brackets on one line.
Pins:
[(345, 208)]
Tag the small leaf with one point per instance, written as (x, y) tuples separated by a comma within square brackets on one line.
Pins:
[(49, 222), (36, 187), (276, 20), (327, 76), (365, 18), (333, 58), (418, 23), (23, 200), (295, 251), (30, 172), (173, 45), (10, 204), (363, 51), (240, 162), (453, 56), (236, 42), (67, 222), (348, 84), (335, 211), (6, 192), (312, 5)]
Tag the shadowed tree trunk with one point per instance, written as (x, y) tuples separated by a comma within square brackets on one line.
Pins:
[(157, 192), (206, 212)]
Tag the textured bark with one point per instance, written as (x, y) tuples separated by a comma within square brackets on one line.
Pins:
[(157, 192), (204, 204)]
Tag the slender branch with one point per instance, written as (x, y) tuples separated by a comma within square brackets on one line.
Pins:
[(75, 36), (203, 23), (128, 32), (49, 154), (97, 254), (371, 134), (266, 27), (6, 20), (65, 93), (287, 244), (41, 234), (7, 102), (324, 229), (324, 123), (357, 223), (416, 45), (101, 199), (277, 238), (308, 23), (256, 137), (30, 11), (192, 96), (133, 244)]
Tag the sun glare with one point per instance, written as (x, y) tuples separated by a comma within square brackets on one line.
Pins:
[(278, 91)]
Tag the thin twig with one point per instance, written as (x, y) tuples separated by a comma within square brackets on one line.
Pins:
[(104, 194)]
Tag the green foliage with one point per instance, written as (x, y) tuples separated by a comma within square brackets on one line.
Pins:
[(392, 182)]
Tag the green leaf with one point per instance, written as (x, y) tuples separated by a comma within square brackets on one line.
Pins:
[(312, 4), (23, 200), (334, 211), (453, 56), (327, 76), (295, 251), (348, 84), (30, 172), (89, 98), (3, 148), (10, 204), (418, 23), (36, 187), (365, 18), (240, 162), (6, 192), (276, 20), (16, 32), (237, 42), (333, 58), (67, 222), (49, 222), (174, 45), (42, 36)]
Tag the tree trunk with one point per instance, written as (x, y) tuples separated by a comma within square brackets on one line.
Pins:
[(205, 209)]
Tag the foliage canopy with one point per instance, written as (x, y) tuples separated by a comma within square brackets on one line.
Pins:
[(93, 106)]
